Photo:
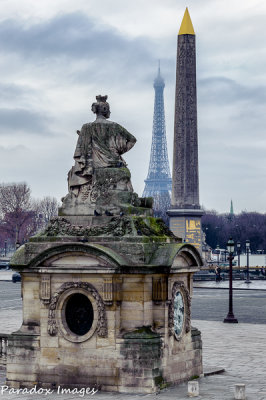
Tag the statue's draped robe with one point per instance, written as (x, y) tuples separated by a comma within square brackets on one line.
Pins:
[(100, 145)]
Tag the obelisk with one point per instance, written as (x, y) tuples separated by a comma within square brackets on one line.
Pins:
[(185, 213)]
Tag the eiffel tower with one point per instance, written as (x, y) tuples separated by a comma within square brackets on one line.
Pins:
[(159, 183)]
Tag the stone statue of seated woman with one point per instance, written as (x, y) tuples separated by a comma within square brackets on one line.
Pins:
[(100, 180)]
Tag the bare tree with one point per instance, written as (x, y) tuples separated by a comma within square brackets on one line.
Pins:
[(49, 207), (14, 197), (45, 208), (16, 210), (20, 215), (246, 225)]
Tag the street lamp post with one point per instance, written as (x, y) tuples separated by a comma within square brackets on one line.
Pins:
[(218, 254), (238, 245), (230, 316), (247, 251), (5, 247)]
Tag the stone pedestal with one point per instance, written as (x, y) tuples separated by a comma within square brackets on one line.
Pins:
[(137, 290), (186, 224)]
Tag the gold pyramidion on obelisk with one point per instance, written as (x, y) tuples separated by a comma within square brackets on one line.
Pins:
[(186, 27)]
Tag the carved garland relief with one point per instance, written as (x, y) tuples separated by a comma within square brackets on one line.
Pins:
[(179, 310), (101, 327)]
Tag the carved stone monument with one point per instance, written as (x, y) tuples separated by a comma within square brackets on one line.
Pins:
[(99, 182), (106, 287), (185, 212)]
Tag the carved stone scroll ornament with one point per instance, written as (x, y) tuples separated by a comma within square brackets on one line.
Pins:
[(45, 292), (108, 291), (102, 320), (179, 286), (159, 290)]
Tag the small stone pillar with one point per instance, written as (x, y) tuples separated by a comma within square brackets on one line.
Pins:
[(193, 388), (240, 389)]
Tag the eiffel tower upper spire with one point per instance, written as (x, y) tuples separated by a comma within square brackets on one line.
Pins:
[(158, 182)]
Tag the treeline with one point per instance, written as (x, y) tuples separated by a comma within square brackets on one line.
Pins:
[(218, 228), (21, 216)]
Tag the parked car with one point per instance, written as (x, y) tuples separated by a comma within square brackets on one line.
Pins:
[(4, 264), (16, 277)]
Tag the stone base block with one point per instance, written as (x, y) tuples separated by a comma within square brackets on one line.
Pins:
[(193, 389), (240, 391)]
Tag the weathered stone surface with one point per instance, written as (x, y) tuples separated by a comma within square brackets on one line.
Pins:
[(99, 182), (111, 226), (185, 185), (185, 212)]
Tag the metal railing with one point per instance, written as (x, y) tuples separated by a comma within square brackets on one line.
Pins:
[(3, 348), (207, 272)]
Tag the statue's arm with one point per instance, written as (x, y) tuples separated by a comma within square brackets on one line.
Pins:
[(124, 140)]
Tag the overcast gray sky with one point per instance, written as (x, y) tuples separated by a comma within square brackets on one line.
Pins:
[(56, 56)]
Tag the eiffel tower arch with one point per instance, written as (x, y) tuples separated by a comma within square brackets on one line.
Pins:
[(158, 183)]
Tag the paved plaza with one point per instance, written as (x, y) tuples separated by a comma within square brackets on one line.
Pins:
[(212, 305), (238, 348)]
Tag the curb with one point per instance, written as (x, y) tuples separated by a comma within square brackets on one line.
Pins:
[(214, 371)]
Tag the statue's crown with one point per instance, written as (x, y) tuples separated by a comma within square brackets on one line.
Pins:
[(100, 98), (101, 108)]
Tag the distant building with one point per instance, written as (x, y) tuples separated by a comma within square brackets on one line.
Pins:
[(219, 256), (255, 260), (231, 209), (231, 213)]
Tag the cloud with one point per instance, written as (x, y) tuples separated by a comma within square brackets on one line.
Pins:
[(10, 91), (5, 151), (53, 65), (22, 120), (223, 90), (70, 35), (75, 48)]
